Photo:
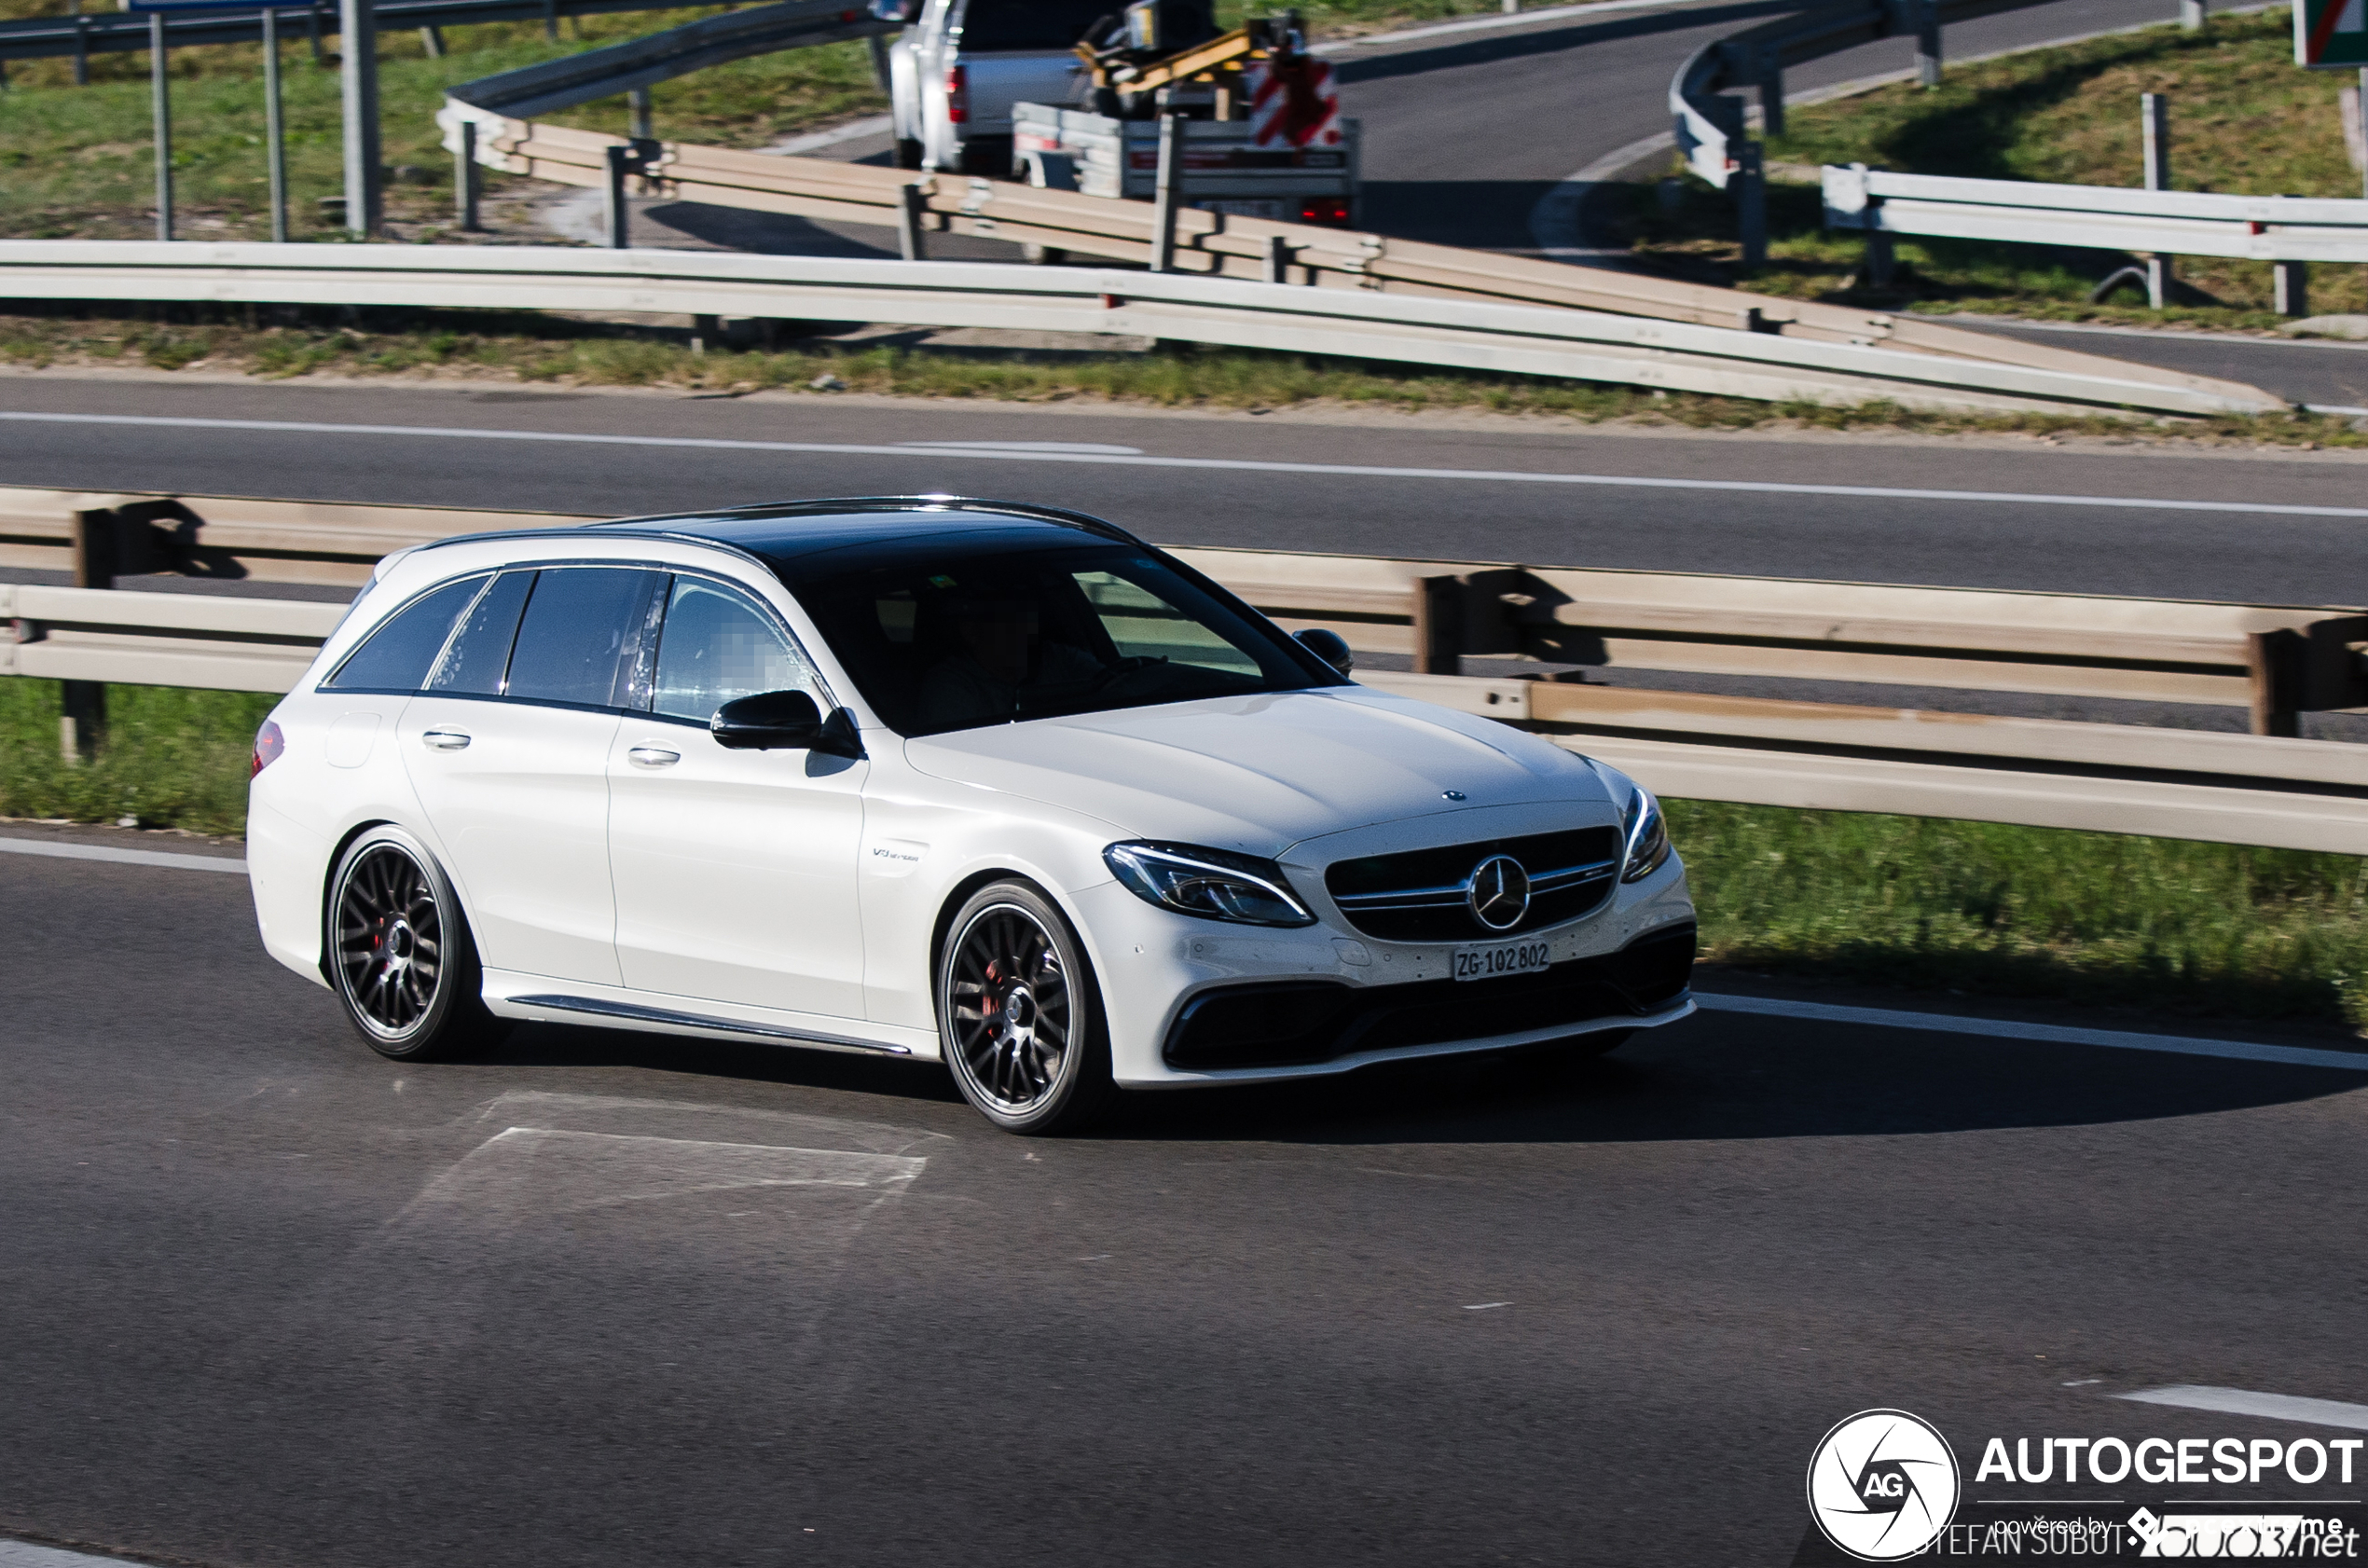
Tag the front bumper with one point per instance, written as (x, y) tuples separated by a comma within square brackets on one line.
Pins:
[(1156, 967), (1298, 1024)]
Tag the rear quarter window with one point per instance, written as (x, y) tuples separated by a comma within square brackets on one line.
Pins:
[(397, 656)]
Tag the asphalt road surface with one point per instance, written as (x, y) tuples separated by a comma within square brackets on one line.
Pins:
[(612, 1300), (1951, 515)]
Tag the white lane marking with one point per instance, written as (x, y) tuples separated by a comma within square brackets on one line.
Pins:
[(2238, 1402), (1087, 446), (545, 1170), (23, 1554), (122, 857), (1343, 470), (2052, 1034), (1486, 1306), (1491, 24), (853, 130)]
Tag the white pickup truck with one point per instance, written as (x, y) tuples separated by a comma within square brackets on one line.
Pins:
[(960, 66)]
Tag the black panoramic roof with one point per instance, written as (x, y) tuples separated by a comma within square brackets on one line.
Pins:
[(784, 532)]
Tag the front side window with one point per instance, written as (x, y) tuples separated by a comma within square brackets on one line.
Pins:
[(716, 645), (398, 656), (938, 640)]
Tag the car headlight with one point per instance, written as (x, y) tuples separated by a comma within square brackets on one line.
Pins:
[(1645, 835), (1211, 883)]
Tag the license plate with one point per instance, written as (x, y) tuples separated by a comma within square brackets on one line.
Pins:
[(1264, 207), (1510, 958)]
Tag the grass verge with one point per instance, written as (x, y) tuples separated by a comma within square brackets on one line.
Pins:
[(535, 348), (2204, 928), (1933, 904), (173, 758), (2244, 121), (76, 162)]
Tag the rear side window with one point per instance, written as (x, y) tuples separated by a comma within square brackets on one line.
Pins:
[(473, 666), (398, 656), (577, 622)]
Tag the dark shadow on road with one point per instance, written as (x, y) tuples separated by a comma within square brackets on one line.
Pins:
[(1477, 214), (1720, 1078)]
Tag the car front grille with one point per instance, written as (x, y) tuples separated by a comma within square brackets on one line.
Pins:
[(1298, 1023), (1423, 895)]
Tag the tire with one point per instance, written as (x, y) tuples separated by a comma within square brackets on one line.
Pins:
[(908, 152), (401, 958), (1019, 1014)]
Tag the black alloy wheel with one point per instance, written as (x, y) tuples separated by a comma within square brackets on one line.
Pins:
[(400, 953), (1019, 1013)]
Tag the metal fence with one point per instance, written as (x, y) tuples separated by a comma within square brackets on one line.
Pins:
[(1463, 333), (96, 32), (2262, 788)]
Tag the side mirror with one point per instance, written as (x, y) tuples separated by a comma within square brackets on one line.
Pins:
[(784, 721), (905, 11), (768, 722), (1328, 646)]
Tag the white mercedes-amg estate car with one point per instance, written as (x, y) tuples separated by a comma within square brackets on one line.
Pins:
[(974, 781)]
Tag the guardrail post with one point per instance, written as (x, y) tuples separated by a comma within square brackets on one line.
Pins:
[(1439, 625), (637, 103), (358, 43), (432, 42), (1771, 91), (2191, 15), (313, 32), (1928, 44), (81, 47), (2153, 117), (1882, 262), (1749, 183), (275, 129), (2277, 662), (910, 205), (161, 91), (1278, 260), (551, 21), (2292, 281), (1164, 194), (82, 706), (465, 180), (618, 210)]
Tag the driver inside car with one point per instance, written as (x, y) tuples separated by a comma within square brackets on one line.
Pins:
[(999, 657)]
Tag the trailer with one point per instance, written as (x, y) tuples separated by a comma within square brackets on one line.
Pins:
[(1221, 168)]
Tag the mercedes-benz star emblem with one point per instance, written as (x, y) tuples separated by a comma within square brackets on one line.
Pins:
[(1499, 893)]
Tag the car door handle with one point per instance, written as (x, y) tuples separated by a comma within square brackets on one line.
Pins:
[(653, 756), (444, 739)]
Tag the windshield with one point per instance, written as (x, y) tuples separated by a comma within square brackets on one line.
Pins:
[(1047, 25), (937, 639)]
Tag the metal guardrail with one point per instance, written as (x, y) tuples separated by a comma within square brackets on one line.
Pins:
[(2098, 218), (604, 72), (123, 32), (2256, 789), (1433, 329)]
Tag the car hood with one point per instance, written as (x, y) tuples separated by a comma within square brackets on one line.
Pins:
[(1258, 774)]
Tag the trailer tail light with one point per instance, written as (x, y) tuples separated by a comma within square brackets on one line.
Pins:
[(1330, 209), (268, 744), (958, 95)]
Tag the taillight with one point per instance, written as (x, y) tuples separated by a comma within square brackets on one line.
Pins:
[(268, 744), (958, 95), (1323, 209)]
